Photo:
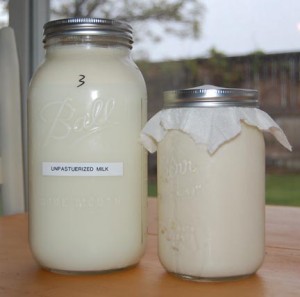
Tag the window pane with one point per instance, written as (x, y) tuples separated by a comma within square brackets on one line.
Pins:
[(3, 13), (254, 45)]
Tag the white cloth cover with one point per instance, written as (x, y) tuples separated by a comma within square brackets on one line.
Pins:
[(208, 126)]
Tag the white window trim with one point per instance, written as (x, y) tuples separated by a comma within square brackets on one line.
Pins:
[(27, 18)]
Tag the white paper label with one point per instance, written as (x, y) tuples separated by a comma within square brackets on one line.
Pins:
[(82, 169)]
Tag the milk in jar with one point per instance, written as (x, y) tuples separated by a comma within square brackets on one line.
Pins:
[(87, 169), (211, 181), (211, 207)]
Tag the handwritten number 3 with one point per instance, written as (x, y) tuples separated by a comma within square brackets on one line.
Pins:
[(82, 82)]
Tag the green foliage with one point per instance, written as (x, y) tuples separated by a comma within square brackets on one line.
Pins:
[(257, 60), (283, 189), (152, 190), (221, 73), (218, 59), (192, 68)]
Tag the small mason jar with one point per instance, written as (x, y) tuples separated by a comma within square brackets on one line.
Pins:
[(87, 169), (211, 200)]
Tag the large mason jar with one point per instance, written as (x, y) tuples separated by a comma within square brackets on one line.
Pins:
[(87, 169)]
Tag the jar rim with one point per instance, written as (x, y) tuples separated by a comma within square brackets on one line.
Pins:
[(211, 96), (110, 28)]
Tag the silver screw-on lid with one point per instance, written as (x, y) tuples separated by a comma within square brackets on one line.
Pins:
[(89, 26), (211, 96)]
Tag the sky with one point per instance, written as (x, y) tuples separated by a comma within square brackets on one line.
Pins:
[(237, 27), (234, 27)]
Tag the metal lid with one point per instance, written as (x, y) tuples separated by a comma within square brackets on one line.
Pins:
[(211, 96), (89, 26)]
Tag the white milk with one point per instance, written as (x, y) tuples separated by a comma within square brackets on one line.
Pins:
[(211, 207), (87, 214)]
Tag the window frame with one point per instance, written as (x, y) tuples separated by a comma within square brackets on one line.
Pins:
[(27, 18)]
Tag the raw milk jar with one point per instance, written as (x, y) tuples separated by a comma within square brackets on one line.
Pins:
[(87, 169), (211, 181)]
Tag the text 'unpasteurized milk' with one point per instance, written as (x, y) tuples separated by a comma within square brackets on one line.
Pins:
[(87, 169)]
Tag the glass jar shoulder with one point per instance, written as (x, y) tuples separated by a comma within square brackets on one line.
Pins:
[(100, 65)]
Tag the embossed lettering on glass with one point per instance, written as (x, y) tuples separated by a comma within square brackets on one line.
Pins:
[(87, 169), (210, 163)]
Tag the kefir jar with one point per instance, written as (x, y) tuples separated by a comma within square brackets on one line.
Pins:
[(211, 181), (87, 168)]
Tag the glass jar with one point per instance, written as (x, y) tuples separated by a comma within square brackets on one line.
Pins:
[(87, 169), (211, 204)]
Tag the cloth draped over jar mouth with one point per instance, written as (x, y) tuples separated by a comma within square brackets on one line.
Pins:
[(210, 126)]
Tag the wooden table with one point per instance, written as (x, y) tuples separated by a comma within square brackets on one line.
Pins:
[(279, 275)]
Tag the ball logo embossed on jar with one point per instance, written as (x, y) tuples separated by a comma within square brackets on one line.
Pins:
[(62, 118), (87, 174)]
